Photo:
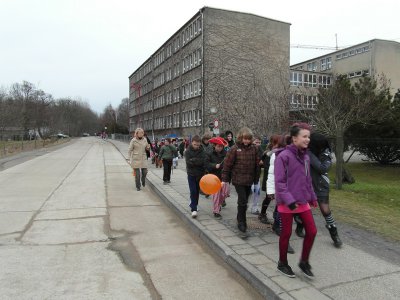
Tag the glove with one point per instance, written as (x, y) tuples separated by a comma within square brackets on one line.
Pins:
[(292, 206)]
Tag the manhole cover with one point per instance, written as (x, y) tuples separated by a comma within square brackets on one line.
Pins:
[(254, 223)]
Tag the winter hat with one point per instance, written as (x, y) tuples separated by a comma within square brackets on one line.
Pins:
[(218, 141)]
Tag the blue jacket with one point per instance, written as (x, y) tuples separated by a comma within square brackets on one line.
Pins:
[(292, 177)]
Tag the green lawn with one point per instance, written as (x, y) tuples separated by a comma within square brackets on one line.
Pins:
[(373, 202)]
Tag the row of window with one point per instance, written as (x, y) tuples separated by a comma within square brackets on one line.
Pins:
[(191, 31), (309, 80), (303, 102), (352, 52), (191, 89), (191, 61), (189, 119), (357, 73)]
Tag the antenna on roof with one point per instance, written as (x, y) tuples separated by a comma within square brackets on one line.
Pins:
[(337, 48)]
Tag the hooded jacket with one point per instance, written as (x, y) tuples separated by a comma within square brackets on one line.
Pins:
[(292, 177)]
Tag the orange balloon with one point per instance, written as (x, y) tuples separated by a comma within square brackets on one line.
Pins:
[(210, 184)]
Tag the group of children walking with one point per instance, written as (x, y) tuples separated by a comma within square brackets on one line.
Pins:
[(295, 176)]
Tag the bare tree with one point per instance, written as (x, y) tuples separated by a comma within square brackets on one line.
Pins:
[(123, 114), (342, 105)]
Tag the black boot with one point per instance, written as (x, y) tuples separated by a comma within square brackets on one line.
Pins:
[(299, 230), (334, 235), (276, 228), (241, 218), (263, 219)]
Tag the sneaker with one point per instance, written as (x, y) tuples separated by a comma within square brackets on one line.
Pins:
[(143, 184), (286, 270), (138, 189), (217, 216), (194, 214), (306, 269), (290, 250)]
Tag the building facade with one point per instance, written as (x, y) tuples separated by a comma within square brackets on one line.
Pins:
[(220, 65), (372, 58)]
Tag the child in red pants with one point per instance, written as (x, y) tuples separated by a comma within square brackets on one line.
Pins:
[(294, 195)]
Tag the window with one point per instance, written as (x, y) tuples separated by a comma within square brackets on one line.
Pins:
[(323, 64), (296, 79), (312, 66), (199, 117), (329, 63)]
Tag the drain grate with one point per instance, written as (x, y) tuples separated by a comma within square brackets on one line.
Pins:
[(254, 223)]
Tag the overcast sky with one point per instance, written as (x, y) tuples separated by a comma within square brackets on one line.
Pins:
[(88, 48)]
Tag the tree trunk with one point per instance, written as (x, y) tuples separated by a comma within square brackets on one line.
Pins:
[(339, 159)]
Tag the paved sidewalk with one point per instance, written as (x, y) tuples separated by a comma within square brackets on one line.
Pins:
[(346, 273)]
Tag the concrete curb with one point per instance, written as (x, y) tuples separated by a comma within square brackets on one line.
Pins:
[(265, 286)]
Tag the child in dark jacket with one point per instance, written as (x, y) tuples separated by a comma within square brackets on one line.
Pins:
[(241, 165), (321, 161), (214, 165), (195, 157)]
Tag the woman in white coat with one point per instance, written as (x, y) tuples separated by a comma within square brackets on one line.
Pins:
[(138, 158)]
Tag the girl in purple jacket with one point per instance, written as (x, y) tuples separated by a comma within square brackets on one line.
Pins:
[(294, 194)]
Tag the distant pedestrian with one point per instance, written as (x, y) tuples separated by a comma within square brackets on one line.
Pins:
[(167, 154), (294, 194), (241, 166), (229, 139), (195, 157), (137, 156), (321, 161), (215, 161)]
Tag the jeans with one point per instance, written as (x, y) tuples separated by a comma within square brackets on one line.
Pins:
[(194, 187), (140, 176)]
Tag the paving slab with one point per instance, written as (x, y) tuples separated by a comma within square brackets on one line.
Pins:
[(66, 231), (85, 271)]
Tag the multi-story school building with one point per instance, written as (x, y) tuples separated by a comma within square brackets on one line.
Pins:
[(220, 65)]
